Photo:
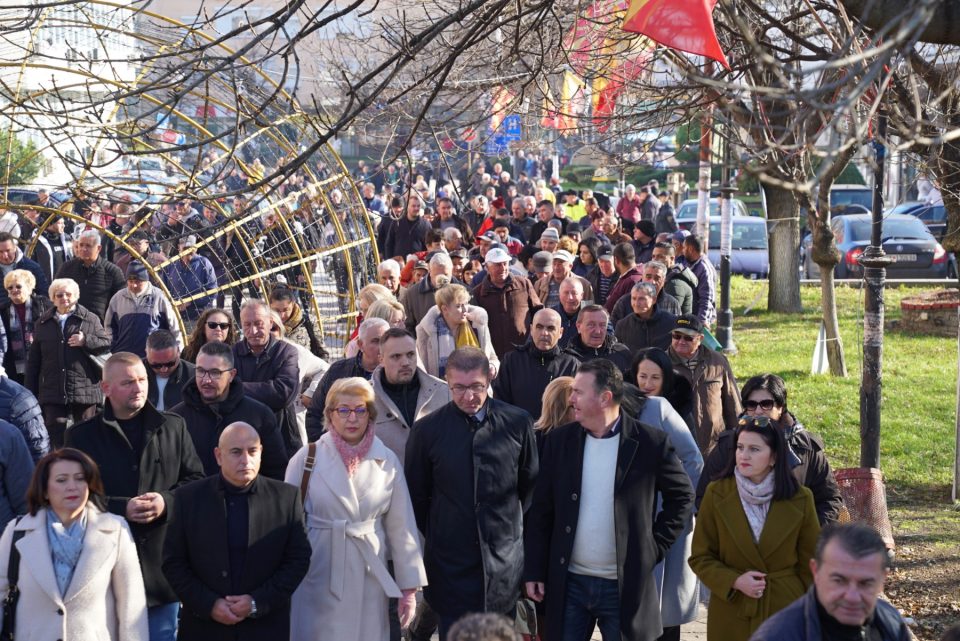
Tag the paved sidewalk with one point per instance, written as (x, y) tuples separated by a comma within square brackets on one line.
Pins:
[(696, 631)]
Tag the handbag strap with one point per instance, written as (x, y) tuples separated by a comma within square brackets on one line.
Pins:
[(307, 470), (13, 569)]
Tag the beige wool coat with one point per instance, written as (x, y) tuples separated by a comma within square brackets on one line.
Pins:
[(351, 521), (390, 426), (105, 599)]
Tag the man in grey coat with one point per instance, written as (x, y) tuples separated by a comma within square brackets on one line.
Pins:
[(418, 299), (403, 392)]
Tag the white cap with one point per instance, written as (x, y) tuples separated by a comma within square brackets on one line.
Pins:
[(564, 255), (497, 255)]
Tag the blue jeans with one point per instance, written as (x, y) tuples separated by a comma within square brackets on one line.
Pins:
[(162, 621), (591, 601)]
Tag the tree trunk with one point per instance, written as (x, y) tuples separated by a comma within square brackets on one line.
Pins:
[(835, 357), (783, 212)]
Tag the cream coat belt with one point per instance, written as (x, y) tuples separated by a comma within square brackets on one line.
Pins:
[(358, 532)]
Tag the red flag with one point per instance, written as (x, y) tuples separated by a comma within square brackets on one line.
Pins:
[(686, 25)]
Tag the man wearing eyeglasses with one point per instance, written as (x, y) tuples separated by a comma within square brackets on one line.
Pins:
[(213, 398), (716, 397), (167, 374), (471, 467)]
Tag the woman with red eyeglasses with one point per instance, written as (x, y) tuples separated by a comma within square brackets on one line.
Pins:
[(766, 395), (214, 326)]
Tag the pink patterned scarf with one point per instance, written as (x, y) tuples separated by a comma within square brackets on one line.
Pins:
[(352, 454)]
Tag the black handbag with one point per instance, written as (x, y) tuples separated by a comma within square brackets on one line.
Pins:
[(13, 592)]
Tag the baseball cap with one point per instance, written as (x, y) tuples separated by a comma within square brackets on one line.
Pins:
[(574, 228), (490, 237), (605, 253), (564, 255), (422, 264), (680, 235), (688, 324), (189, 241), (542, 262), (459, 253), (497, 255)]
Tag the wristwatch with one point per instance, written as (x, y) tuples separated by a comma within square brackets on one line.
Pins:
[(253, 608)]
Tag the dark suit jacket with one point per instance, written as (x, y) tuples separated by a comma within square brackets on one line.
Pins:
[(197, 564), (646, 465)]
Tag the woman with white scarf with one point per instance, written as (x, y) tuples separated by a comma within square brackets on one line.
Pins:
[(755, 534)]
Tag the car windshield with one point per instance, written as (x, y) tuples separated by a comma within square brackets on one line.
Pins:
[(746, 235), (688, 209), (860, 230), (844, 197)]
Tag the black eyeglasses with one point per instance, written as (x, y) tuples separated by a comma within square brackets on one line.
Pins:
[(213, 325), (686, 338), (766, 405), (212, 374), (167, 365)]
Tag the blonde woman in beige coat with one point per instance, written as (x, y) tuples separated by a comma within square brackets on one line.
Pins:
[(438, 330), (79, 574), (357, 507)]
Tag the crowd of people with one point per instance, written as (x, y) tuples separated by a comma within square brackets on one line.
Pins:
[(517, 440)]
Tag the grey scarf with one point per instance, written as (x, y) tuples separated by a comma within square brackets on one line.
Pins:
[(755, 498)]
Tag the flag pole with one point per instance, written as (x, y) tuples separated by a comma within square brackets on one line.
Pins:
[(703, 182)]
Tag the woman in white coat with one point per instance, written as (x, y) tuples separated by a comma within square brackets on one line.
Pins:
[(453, 323), (357, 510), (79, 577)]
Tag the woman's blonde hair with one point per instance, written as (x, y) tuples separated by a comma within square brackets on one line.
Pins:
[(64, 283), (450, 294), (568, 244), (384, 309), (556, 402), (372, 293), (20, 277), (276, 320), (352, 386)]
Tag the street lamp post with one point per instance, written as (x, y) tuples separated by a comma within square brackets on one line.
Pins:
[(874, 261), (725, 317)]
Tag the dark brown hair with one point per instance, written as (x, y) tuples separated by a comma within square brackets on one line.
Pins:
[(784, 483), (37, 490), (198, 337)]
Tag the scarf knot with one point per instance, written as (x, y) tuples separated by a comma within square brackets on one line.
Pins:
[(755, 498), (351, 455)]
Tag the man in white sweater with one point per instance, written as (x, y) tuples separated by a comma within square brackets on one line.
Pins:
[(591, 539)]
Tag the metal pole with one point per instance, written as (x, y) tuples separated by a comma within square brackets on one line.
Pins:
[(725, 317), (874, 261)]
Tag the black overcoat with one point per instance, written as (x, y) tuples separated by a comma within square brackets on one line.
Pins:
[(197, 564), (646, 465)]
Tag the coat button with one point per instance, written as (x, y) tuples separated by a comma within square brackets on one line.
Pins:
[(60, 611), (573, 496), (223, 574), (562, 560), (567, 529)]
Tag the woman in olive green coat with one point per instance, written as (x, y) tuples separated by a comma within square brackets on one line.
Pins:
[(754, 536)]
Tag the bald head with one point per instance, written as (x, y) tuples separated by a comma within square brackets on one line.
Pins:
[(545, 329), (238, 454)]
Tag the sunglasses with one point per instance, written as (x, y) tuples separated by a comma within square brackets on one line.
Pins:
[(766, 404), (686, 338), (756, 421), (166, 365), (223, 326)]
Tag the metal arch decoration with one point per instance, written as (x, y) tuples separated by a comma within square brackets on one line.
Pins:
[(118, 106)]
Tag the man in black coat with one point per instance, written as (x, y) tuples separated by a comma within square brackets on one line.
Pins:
[(269, 370), (214, 399), (471, 468), (143, 456), (591, 529), (592, 339), (648, 325), (98, 279), (362, 365), (165, 368), (526, 371), (237, 548), (409, 234)]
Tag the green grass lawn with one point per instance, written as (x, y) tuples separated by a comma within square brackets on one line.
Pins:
[(919, 385)]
